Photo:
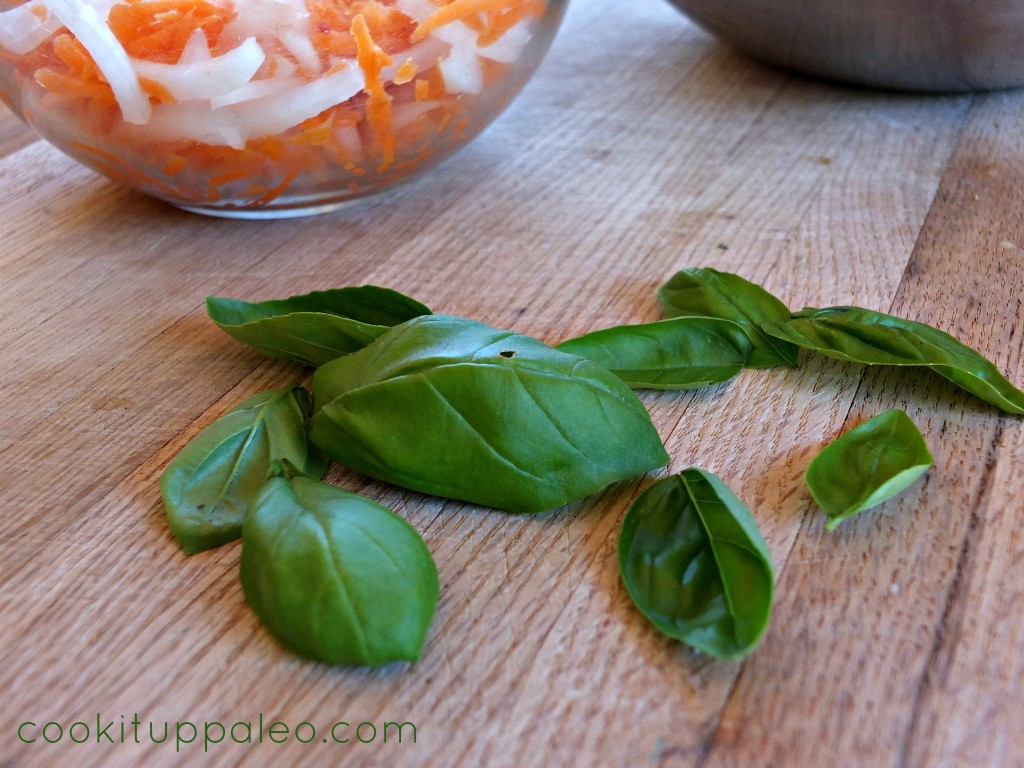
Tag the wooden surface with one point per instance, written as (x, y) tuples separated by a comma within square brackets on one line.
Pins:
[(641, 147)]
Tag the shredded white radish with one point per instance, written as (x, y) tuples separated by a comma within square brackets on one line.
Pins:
[(461, 69), (194, 121), (208, 79), (417, 10), (93, 33), (196, 49), (509, 47), (299, 46), (103, 7), (273, 114), (22, 31), (425, 55), (257, 89), (348, 137), (285, 20), (404, 114)]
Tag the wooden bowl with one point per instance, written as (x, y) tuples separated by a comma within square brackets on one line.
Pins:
[(916, 45)]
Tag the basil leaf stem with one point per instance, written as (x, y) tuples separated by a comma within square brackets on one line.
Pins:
[(706, 292), (873, 338), (867, 466), (681, 353), (694, 562)]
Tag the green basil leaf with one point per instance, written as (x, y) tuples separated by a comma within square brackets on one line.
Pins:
[(694, 562), (682, 353), (207, 487), (455, 408), (707, 292), (864, 336), (867, 466), (317, 327), (335, 576)]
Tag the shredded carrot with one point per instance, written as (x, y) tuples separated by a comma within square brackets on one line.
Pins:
[(406, 72), (116, 169), (67, 85), (435, 81), (158, 30), (176, 166), (156, 91), (422, 90), (316, 130), (460, 10), (72, 53), (275, 192), (230, 176), (378, 108)]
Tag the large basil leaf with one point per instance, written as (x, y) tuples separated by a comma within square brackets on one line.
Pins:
[(706, 292), (317, 327), (694, 562), (455, 408), (207, 487), (864, 336), (335, 576), (682, 353), (867, 466)]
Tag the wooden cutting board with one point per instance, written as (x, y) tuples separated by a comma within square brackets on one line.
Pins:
[(640, 147)]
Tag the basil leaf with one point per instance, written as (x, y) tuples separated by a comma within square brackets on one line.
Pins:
[(694, 562), (335, 576), (682, 353), (864, 336), (867, 466), (317, 327), (707, 292), (207, 487), (455, 408)]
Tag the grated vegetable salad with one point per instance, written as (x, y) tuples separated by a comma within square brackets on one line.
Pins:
[(242, 104)]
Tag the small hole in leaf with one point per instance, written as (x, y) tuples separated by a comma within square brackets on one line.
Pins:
[(508, 353)]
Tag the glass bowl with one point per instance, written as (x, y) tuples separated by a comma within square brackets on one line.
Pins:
[(266, 108)]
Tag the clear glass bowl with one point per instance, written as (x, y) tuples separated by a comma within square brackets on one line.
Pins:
[(266, 108)]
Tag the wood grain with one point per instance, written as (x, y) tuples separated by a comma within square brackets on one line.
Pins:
[(640, 147)]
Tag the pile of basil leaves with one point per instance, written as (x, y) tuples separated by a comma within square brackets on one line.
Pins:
[(455, 408)]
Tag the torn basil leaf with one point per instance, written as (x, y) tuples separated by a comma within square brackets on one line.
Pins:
[(335, 576), (706, 292), (873, 338), (868, 465), (317, 327), (694, 562), (208, 486), (681, 353), (456, 408)]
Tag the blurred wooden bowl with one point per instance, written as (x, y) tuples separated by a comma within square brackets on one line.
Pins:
[(916, 45)]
